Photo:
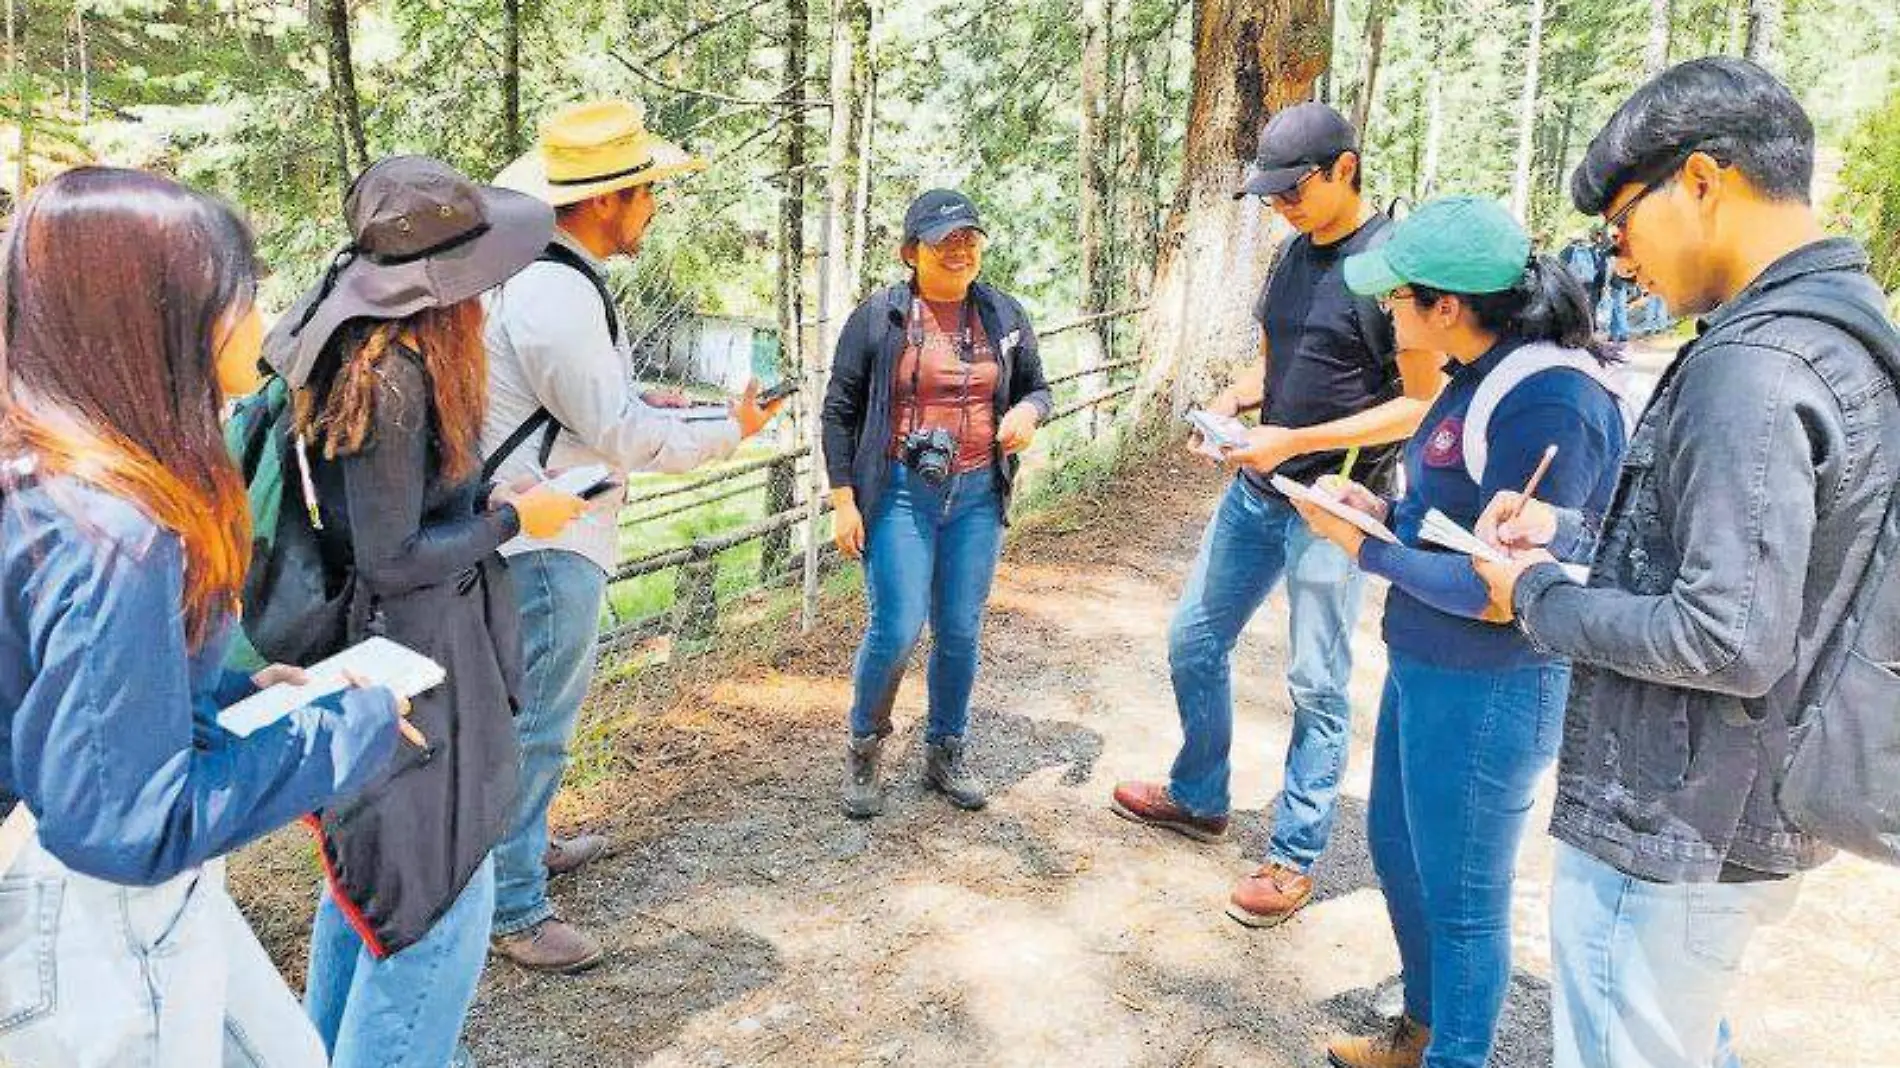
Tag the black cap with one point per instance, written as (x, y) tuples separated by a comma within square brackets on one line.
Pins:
[(938, 214), (1294, 142)]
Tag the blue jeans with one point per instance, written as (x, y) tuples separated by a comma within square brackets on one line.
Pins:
[(1617, 312), (404, 1011), (929, 554), (1252, 542), (1640, 970), (1455, 765), (98, 975), (560, 594)]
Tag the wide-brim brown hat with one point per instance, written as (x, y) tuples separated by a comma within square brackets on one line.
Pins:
[(592, 149), (422, 236)]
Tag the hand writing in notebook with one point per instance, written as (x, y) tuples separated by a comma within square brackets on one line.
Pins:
[(1355, 495), (403, 708)]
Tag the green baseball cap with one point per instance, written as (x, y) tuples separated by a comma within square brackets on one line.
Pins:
[(1454, 244)]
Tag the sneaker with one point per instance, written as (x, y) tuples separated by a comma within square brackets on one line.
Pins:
[(566, 855), (946, 773), (1403, 1046), (553, 945), (863, 795), (1149, 803), (1270, 896)]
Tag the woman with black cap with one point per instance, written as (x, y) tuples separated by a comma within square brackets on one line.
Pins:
[(935, 388), (390, 377)]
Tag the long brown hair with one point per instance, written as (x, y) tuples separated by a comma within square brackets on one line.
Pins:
[(339, 408), (116, 284)]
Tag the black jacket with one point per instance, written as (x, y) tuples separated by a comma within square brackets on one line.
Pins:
[(428, 577), (1750, 499), (857, 412)]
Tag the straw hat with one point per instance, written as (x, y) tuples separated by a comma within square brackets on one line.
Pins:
[(591, 149)]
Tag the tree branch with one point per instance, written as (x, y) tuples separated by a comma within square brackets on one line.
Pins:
[(704, 28), (639, 72)]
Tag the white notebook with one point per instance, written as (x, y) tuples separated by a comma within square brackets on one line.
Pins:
[(1330, 503), (1218, 432), (378, 661), (1440, 529)]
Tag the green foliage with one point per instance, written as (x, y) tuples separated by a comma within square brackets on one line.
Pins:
[(1869, 200)]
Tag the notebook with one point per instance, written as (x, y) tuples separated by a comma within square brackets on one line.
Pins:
[(576, 481), (1330, 503), (1218, 432), (378, 661), (1440, 529)]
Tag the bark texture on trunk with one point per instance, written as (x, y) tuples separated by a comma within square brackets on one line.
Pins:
[(1250, 60)]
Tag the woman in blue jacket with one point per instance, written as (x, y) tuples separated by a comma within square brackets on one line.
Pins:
[(1472, 713), (123, 545)]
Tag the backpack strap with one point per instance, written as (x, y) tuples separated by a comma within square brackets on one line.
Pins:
[(1532, 359), (542, 418), (567, 257)]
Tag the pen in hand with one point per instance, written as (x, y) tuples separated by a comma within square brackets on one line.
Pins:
[(1530, 488), (407, 729), (1352, 457)]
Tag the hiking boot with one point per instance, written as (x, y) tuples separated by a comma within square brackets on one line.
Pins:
[(946, 773), (553, 945), (863, 796), (1402, 1046), (1270, 896), (566, 855), (1149, 803)]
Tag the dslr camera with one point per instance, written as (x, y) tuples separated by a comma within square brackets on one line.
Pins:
[(930, 452)]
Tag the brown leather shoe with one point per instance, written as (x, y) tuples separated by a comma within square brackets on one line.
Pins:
[(1403, 1046), (1149, 803), (1269, 896), (553, 945), (566, 855)]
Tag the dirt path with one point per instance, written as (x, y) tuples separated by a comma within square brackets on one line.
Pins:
[(749, 923)]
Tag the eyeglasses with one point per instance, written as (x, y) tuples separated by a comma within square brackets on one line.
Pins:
[(1292, 194), (1608, 240), (1390, 300)]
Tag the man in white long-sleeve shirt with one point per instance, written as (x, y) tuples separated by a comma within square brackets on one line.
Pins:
[(560, 394)]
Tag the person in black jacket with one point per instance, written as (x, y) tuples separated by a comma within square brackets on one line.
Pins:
[(390, 377), (936, 387)]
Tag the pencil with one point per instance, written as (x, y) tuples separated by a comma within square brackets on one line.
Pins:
[(1543, 465), (1352, 457)]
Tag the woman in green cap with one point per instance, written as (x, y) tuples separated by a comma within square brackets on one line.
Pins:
[(1471, 713)]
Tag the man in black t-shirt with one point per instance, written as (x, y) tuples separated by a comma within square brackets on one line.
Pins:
[(1329, 379)]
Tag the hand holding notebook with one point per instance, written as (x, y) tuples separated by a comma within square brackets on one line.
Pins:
[(377, 662)]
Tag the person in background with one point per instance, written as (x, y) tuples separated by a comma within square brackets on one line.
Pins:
[(936, 388), (390, 378), (1472, 712), (1751, 502), (124, 541), (560, 395), (1329, 378)]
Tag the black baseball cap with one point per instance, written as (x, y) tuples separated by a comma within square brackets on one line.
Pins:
[(939, 213), (1294, 142)]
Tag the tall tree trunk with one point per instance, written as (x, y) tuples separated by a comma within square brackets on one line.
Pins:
[(1369, 67), (1092, 176), (1250, 60), (1134, 186), (1527, 115), (23, 85), (858, 26), (1560, 175), (1764, 31), (85, 62), (1434, 131), (791, 227), (867, 126), (511, 77), (840, 172), (336, 19), (1656, 57)]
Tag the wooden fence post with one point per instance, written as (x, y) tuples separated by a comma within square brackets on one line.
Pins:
[(781, 489), (696, 598)]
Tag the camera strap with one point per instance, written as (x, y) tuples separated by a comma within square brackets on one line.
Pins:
[(966, 352)]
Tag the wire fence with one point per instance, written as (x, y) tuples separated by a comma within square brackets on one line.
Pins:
[(692, 544)]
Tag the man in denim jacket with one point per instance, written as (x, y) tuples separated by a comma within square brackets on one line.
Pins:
[(1751, 497)]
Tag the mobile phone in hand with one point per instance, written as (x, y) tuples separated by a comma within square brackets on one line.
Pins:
[(598, 490), (774, 393)]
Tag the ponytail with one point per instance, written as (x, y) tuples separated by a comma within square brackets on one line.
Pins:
[(1546, 304)]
